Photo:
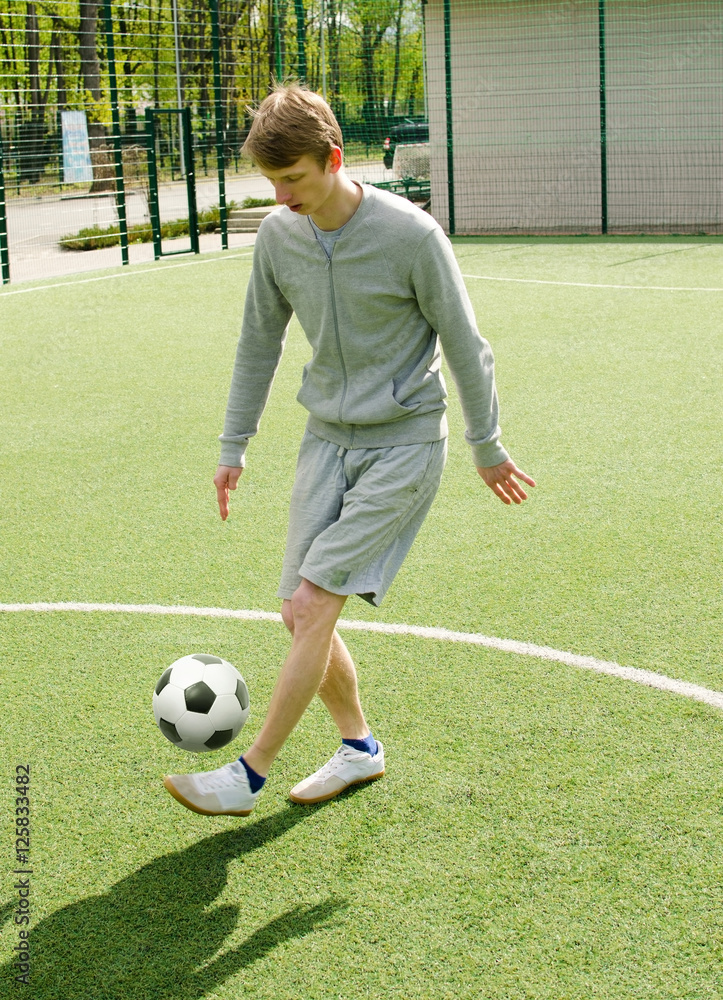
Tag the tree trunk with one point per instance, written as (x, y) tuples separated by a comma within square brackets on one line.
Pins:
[(229, 14), (154, 29), (32, 45), (31, 138), (255, 61), (371, 39), (10, 62), (56, 46), (397, 60), (90, 75), (412, 94), (333, 22), (90, 64)]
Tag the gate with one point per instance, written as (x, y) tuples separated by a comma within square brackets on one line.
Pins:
[(182, 118)]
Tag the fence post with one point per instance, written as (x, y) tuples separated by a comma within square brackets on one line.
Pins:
[(187, 146), (603, 122), (4, 254), (277, 42), (450, 126), (120, 191), (218, 110), (153, 183), (300, 40)]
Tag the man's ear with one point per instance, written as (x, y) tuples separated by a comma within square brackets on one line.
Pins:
[(336, 159)]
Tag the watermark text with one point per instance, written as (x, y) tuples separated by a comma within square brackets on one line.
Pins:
[(22, 872)]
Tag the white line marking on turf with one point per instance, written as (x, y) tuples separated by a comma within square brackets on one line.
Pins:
[(646, 677), (123, 274), (582, 284)]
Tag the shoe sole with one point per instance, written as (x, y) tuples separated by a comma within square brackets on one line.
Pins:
[(333, 795), (170, 787)]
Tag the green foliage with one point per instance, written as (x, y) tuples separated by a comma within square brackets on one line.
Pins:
[(257, 202), (373, 60), (96, 238), (369, 44)]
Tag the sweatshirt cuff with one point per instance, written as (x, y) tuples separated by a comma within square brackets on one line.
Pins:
[(233, 454), (488, 455)]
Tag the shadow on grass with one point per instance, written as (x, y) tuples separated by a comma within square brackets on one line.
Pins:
[(154, 934)]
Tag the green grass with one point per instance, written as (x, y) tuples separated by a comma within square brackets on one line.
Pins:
[(542, 832)]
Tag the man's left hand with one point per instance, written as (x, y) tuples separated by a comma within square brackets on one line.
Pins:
[(501, 480)]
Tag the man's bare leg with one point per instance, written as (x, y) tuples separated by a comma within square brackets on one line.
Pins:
[(338, 689), (314, 613), (318, 659), (340, 693), (360, 757)]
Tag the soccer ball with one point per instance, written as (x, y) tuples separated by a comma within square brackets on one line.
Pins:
[(200, 703)]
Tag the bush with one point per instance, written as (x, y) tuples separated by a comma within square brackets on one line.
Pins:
[(257, 202), (95, 238)]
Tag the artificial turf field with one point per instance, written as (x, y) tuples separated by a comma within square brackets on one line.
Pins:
[(542, 832)]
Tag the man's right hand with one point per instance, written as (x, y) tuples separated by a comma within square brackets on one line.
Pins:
[(226, 478)]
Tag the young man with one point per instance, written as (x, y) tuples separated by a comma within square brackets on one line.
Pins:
[(375, 285)]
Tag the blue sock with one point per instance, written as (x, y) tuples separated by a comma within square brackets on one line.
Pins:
[(255, 780), (368, 745)]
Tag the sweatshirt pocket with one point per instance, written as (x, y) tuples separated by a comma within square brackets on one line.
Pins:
[(405, 396)]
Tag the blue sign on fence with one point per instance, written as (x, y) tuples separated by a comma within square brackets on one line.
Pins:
[(77, 168)]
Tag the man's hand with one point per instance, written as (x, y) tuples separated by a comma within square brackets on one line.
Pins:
[(500, 479), (226, 478)]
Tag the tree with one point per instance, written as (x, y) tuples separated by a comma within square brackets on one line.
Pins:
[(57, 58), (32, 147), (90, 67), (53, 54), (371, 20), (334, 32), (129, 58), (93, 96), (397, 58)]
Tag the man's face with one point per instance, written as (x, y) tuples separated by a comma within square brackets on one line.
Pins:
[(304, 187)]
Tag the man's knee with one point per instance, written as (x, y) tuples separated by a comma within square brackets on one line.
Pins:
[(287, 616), (312, 608)]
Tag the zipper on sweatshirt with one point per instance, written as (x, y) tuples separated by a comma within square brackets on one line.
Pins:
[(336, 331)]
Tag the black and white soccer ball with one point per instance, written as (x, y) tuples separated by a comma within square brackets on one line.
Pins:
[(201, 702)]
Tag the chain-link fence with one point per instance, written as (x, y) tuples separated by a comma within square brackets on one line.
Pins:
[(511, 116), (580, 116), (79, 75)]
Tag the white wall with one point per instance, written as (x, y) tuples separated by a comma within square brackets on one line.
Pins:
[(525, 101)]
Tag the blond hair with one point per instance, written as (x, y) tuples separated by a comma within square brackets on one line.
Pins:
[(290, 123)]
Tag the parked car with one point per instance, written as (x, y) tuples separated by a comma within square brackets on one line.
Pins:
[(407, 132)]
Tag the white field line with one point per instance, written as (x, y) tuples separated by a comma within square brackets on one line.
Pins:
[(477, 277), (123, 274), (582, 284), (645, 677)]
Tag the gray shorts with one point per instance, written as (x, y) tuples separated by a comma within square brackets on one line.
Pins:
[(355, 513)]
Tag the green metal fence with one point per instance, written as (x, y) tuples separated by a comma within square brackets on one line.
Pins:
[(107, 61), (580, 116), (537, 116)]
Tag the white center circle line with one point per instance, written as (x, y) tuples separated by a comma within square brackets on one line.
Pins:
[(648, 678)]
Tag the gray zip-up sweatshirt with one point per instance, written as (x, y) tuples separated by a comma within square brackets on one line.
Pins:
[(374, 314)]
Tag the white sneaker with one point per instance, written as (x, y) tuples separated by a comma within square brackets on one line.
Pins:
[(223, 792), (347, 767)]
